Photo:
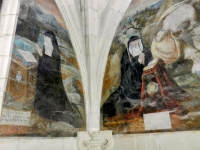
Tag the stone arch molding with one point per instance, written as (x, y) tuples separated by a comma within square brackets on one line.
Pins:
[(8, 22), (91, 25)]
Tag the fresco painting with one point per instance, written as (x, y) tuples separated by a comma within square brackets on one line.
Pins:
[(153, 67), (44, 94)]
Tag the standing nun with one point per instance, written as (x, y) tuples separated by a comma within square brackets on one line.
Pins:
[(50, 99)]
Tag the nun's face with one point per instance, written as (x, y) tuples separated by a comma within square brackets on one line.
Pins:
[(136, 47), (47, 40), (134, 43), (137, 44), (48, 46)]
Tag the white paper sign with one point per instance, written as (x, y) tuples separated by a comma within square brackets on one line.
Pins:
[(157, 121), (11, 117), (28, 56)]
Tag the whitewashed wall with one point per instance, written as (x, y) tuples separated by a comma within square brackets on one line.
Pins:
[(187, 140)]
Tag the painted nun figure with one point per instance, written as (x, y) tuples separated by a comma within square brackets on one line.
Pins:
[(50, 99), (127, 95)]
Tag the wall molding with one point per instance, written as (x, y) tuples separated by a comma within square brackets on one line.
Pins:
[(102, 140)]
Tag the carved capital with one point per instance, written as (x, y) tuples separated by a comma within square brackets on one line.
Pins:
[(102, 140)]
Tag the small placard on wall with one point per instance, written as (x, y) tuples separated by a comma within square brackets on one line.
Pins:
[(11, 117), (157, 121)]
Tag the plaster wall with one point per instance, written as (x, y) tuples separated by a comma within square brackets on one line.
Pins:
[(158, 141)]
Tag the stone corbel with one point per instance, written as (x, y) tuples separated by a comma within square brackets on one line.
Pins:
[(102, 140)]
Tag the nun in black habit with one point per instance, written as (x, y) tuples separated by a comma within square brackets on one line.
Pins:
[(134, 59), (50, 99)]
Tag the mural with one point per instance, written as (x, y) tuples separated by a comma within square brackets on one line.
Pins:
[(44, 92), (152, 78)]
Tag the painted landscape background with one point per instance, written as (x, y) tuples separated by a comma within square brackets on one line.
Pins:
[(35, 18), (142, 22)]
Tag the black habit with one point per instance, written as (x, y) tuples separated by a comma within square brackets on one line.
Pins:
[(130, 86)]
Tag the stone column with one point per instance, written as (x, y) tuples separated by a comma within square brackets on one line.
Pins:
[(8, 22), (91, 25)]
